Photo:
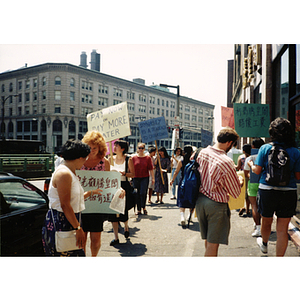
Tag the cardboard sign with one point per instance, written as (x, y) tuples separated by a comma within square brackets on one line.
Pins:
[(227, 115), (108, 182), (206, 138), (153, 129), (239, 202), (112, 122), (251, 120)]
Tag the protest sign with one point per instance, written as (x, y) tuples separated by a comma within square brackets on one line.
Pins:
[(153, 129), (112, 122), (227, 116), (206, 138), (108, 182), (251, 119)]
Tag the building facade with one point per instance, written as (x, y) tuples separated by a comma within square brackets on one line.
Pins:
[(269, 74), (49, 102)]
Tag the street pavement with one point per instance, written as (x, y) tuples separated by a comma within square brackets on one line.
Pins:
[(159, 234)]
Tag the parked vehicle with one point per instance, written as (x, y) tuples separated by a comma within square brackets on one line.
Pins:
[(22, 212)]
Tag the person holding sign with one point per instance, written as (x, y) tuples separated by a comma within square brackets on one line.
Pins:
[(142, 165), (66, 200), (124, 165), (96, 161), (165, 163)]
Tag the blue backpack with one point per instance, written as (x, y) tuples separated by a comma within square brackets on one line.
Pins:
[(189, 184)]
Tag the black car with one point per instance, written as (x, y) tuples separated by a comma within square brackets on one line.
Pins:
[(22, 213)]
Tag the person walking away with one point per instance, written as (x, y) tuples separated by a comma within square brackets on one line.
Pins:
[(175, 160), (165, 163), (142, 166), (93, 222), (188, 150), (66, 199), (281, 200), (240, 167), (120, 149), (218, 179), (152, 152), (253, 183)]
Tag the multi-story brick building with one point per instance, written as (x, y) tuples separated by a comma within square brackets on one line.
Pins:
[(49, 102)]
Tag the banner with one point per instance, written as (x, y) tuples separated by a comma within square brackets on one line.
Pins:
[(153, 129), (112, 122), (251, 120), (227, 115), (108, 182), (206, 138)]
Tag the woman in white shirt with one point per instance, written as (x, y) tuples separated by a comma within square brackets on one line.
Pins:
[(66, 199)]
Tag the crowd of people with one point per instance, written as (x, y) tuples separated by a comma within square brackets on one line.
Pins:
[(147, 175)]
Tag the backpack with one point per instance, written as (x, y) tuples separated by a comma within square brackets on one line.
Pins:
[(278, 170), (189, 184)]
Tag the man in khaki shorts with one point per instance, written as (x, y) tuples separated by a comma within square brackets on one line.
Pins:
[(218, 180)]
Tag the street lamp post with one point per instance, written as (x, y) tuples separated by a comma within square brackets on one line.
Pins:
[(2, 119), (178, 99)]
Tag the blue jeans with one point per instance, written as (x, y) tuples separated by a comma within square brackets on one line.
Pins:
[(176, 182), (141, 184)]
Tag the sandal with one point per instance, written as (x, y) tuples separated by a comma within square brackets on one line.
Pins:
[(138, 213), (145, 212)]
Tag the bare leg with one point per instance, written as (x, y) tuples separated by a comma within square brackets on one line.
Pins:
[(255, 213), (266, 224), (95, 242), (282, 235), (115, 226), (211, 249)]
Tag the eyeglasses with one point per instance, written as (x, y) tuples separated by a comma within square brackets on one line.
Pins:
[(141, 148)]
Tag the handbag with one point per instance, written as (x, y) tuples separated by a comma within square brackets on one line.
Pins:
[(65, 240), (131, 192)]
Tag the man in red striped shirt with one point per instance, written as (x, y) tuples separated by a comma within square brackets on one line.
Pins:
[(218, 180)]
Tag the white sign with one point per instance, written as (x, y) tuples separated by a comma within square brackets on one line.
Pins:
[(112, 122)]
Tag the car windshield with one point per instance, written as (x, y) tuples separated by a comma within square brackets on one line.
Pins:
[(17, 195)]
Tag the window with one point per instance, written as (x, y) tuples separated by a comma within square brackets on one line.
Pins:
[(158, 112), (87, 98), (19, 111), (34, 109), (115, 102), (102, 101), (142, 108), (72, 96), (194, 110), (11, 87), (172, 105), (85, 111), (57, 109), (35, 83), (187, 108), (130, 95), (187, 117), (200, 111), (44, 80), (20, 85), (34, 96), (102, 89), (20, 98), (3, 88), (82, 126), (87, 85), (27, 97), (167, 103), (117, 92), (72, 82), (180, 107), (44, 95), (72, 110), (43, 108), (57, 95), (162, 102), (27, 84), (152, 100), (131, 106), (158, 101), (57, 80)]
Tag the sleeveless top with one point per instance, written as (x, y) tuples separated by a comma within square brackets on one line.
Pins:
[(99, 167), (119, 168), (77, 198)]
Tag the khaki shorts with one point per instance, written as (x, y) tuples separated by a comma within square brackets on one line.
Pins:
[(214, 220)]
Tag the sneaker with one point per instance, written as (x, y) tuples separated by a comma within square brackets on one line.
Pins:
[(263, 248), (256, 232), (183, 225)]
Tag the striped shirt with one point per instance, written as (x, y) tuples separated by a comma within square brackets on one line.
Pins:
[(218, 175)]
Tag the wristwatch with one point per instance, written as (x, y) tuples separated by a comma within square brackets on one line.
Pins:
[(78, 228)]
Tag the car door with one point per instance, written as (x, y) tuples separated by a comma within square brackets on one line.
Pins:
[(21, 218)]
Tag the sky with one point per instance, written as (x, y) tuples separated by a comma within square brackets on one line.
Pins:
[(199, 69)]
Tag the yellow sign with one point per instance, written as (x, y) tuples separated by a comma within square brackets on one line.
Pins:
[(239, 202), (112, 122)]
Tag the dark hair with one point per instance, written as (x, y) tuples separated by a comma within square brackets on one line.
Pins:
[(257, 143), (178, 148), (123, 144), (163, 149), (74, 149), (227, 135), (152, 150), (247, 148), (188, 150), (282, 131)]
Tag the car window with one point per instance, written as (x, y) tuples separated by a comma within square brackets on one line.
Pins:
[(17, 196)]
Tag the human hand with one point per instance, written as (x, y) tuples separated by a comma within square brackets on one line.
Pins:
[(80, 238)]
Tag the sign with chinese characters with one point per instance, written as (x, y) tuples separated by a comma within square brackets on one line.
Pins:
[(108, 182), (251, 120), (206, 138), (227, 117), (112, 122), (153, 129)]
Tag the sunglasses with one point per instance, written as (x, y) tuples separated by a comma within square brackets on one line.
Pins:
[(141, 148)]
